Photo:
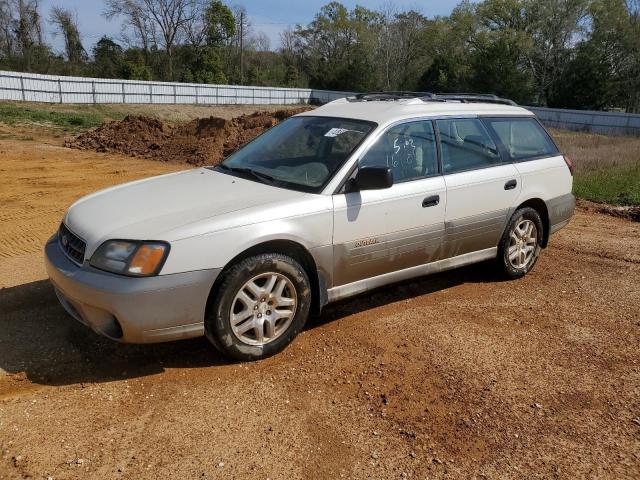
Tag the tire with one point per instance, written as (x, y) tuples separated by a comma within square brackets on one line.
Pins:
[(259, 307), (520, 245)]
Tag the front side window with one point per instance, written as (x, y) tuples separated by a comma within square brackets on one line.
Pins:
[(523, 137), (409, 149), (301, 153), (466, 144)]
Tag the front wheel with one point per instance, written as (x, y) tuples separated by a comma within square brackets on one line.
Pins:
[(259, 307), (520, 245)]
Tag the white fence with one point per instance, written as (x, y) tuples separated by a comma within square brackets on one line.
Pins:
[(608, 123), (58, 89)]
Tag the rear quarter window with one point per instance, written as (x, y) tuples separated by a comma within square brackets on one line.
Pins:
[(523, 138)]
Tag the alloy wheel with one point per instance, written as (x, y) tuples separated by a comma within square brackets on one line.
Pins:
[(263, 308), (523, 243)]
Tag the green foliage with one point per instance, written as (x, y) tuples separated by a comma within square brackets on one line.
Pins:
[(135, 65), (220, 24), (74, 120), (497, 66), (619, 186), (441, 76), (202, 65), (108, 58), (338, 47), (585, 82)]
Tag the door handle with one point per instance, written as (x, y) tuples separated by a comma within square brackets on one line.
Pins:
[(510, 185), (431, 201)]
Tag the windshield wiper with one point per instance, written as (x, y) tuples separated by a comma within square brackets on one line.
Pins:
[(249, 171)]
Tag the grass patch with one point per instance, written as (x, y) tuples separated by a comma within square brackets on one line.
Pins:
[(607, 167), (67, 120), (617, 186)]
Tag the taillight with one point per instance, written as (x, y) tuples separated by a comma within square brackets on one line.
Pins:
[(569, 163)]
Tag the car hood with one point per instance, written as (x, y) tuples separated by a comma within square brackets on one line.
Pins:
[(155, 208)]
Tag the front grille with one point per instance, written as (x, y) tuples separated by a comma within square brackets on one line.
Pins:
[(71, 244)]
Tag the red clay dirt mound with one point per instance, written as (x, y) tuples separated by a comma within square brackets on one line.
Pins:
[(203, 141)]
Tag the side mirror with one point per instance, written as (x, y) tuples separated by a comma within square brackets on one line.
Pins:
[(371, 178)]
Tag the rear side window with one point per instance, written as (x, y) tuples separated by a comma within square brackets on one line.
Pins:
[(523, 137), (466, 145)]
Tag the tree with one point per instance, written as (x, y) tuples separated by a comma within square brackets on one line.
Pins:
[(67, 26), (499, 66), (164, 20), (441, 77), (338, 47), (553, 27), (138, 29), (400, 49), (616, 35), (201, 65), (28, 31), (108, 58), (586, 81), (7, 38), (220, 24)]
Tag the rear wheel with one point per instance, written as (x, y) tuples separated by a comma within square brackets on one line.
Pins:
[(520, 245), (260, 306)]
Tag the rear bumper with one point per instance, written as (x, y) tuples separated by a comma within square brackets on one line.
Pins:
[(132, 310), (560, 211)]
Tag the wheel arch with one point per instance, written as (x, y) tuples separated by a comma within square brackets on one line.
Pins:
[(292, 249), (539, 206)]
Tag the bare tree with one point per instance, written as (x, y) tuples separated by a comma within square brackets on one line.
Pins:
[(260, 42), (28, 29), (138, 29), (67, 25), (167, 18), (7, 38), (195, 25)]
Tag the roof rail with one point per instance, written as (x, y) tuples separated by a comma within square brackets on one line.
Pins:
[(431, 97), (387, 96), (473, 98)]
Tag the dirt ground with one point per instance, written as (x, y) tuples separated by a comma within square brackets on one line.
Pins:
[(202, 141), (457, 375)]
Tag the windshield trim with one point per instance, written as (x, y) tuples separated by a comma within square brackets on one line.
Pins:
[(290, 185)]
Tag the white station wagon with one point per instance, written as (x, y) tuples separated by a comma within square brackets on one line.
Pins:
[(357, 194)]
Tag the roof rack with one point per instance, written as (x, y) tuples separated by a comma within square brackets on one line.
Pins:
[(387, 96), (474, 98), (431, 97)]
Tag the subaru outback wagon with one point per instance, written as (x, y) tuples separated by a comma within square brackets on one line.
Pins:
[(357, 194)]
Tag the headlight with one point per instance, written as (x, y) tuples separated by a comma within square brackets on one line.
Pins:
[(130, 257)]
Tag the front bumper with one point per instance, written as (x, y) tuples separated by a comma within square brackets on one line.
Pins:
[(127, 309)]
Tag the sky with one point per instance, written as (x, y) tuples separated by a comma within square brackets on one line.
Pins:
[(268, 16)]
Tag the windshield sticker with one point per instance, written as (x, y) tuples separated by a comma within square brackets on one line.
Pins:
[(334, 132)]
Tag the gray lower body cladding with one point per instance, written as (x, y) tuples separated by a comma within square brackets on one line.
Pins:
[(394, 251), (474, 233), (560, 211), (134, 310), (417, 246), (398, 251)]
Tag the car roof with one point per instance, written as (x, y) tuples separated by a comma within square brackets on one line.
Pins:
[(384, 112)]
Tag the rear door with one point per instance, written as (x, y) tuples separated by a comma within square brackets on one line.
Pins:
[(482, 186), (542, 168), (380, 231)]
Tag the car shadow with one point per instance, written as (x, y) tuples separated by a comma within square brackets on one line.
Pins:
[(483, 272), (39, 340)]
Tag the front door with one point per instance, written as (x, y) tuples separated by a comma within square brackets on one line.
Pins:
[(381, 231)]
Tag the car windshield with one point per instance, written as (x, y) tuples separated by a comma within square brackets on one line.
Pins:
[(301, 153)]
